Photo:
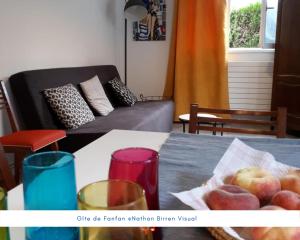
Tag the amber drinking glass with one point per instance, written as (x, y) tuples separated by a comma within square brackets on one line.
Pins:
[(4, 233), (113, 195)]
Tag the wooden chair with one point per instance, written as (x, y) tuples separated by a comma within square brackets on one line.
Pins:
[(22, 143), (275, 124), (7, 177)]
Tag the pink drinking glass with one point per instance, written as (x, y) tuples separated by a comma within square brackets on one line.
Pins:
[(139, 165)]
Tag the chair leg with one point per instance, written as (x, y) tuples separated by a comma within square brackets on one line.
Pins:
[(214, 132), (9, 181), (54, 146), (19, 156)]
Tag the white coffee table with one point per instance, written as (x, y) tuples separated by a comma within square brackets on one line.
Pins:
[(92, 163), (185, 118)]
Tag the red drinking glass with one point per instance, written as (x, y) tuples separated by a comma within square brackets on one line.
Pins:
[(139, 165)]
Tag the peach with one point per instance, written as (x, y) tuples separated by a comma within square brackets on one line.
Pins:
[(230, 197), (257, 181), (268, 233), (275, 233), (287, 200), (272, 207), (291, 181)]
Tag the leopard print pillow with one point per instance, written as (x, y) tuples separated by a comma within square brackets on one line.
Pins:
[(69, 106)]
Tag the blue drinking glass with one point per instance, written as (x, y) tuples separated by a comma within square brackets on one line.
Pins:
[(49, 184)]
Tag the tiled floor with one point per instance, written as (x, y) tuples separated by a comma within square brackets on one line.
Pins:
[(177, 127)]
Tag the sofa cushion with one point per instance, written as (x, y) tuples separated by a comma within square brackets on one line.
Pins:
[(96, 97), (146, 116), (33, 139), (123, 96), (69, 106)]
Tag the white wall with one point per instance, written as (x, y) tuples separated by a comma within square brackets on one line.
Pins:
[(55, 33), (61, 33), (147, 61)]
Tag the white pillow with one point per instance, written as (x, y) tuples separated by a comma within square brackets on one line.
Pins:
[(96, 96)]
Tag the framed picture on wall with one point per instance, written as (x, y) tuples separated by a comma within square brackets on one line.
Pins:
[(153, 26)]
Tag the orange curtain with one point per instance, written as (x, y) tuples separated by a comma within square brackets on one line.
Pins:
[(197, 70)]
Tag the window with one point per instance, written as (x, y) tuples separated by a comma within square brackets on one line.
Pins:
[(271, 7), (252, 23)]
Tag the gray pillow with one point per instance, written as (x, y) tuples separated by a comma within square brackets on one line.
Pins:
[(96, 97), (69, 106)]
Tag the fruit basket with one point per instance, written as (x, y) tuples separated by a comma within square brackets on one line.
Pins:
[(220, 234), (229, 164)]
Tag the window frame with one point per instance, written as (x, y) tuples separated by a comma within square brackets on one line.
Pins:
[(263, 46)]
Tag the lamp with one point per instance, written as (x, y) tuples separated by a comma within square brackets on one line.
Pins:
[(134, 10)]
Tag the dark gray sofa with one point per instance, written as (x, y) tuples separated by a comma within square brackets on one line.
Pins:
[(35, 113)]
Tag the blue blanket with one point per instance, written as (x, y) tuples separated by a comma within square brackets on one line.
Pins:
[(187, 161)]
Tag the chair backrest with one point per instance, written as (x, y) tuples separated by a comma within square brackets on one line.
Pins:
[(5, 103), (275, 124), (7, 177)]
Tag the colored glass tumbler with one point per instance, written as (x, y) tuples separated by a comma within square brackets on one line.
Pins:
[(49, 184), (113, 195), (139, 165), (4, 232)]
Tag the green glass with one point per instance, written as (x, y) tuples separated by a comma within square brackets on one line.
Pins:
[(113, 195), (4, 232)]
